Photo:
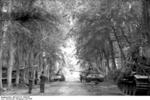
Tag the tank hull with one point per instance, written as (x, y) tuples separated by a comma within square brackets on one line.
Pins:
[(135, 86)]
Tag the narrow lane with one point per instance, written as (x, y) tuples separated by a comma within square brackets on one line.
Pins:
[(71, 89)]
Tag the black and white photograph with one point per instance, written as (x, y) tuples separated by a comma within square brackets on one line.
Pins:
[(74, 48)]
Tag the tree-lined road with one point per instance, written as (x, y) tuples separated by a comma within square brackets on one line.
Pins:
[(70, 89), (53, 38)]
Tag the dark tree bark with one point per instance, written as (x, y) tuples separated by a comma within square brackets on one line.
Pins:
[(18, 67), (11, 64), (1, 85), (107, 60), (112, 52), (146, 19), (119, 44)]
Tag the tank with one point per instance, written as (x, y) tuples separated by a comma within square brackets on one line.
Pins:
[(135, 75)]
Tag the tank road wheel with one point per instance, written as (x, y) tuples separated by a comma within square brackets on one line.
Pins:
[(148, 92), (134, 90), (125, 89), (130, 90)]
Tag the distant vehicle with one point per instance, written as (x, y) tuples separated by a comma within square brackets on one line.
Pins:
[(91, 78), (58, 78), (94, 77)]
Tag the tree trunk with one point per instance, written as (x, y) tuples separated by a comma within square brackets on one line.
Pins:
[(120, 46), (33, 67), (50, 70), (26, 67), (107, 61), (146, 19), (10, 68), (100, 62), (17, 76), (47, 71), (18, 68), (112, 53), (1, 84)]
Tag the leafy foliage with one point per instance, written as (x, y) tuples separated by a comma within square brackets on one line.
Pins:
[(102, 25)]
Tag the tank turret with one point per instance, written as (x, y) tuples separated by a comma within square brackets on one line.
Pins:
[(135, 75)]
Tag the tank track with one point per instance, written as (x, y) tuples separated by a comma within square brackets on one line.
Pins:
[(137, 86)]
